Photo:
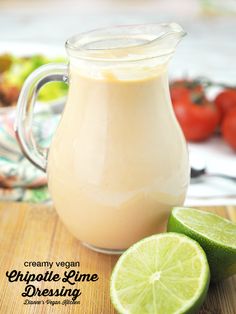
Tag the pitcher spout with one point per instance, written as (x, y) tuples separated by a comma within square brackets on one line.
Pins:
[(167, 38)]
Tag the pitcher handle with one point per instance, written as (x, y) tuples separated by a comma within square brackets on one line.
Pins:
[(25, 107)]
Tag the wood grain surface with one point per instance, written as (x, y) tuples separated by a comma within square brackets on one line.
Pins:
[(34, 233)]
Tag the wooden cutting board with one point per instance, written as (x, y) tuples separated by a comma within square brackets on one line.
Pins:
[(34, 233)]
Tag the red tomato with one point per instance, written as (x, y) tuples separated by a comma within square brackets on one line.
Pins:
[(183, 88), (198, 121), (225, 101), (229, 128), (197, 116), (177, 93)]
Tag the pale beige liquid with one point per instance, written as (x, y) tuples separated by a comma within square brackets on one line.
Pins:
[(118, 161)]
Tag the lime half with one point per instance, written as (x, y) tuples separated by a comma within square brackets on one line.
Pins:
[(162, 274), (216, 235)]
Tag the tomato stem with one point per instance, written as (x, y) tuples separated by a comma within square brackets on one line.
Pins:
[(207, 83), (198, 98)]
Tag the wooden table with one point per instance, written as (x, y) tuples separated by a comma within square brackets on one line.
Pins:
[(34, 233)]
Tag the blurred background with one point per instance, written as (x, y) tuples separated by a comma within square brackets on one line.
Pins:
[(34, 32)]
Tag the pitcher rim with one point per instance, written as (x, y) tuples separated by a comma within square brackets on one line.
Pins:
[(75, 47)]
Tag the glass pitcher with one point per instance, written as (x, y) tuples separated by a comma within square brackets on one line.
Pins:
[(118, 161)]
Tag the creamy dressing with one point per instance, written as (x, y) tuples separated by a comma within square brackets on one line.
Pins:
[(118, 161)]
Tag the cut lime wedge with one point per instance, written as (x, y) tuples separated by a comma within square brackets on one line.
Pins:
[(216, 235), (163, 274)]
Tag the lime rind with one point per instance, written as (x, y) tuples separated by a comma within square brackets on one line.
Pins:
[(205, 233), (213, 235), (185, 305)]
